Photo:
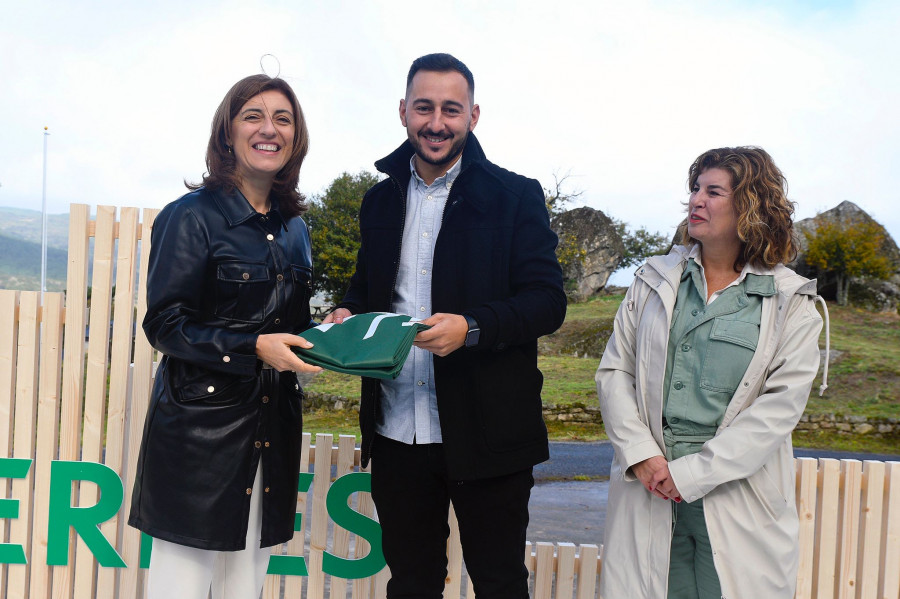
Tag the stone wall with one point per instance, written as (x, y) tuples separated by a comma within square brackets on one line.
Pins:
[(843, 425)]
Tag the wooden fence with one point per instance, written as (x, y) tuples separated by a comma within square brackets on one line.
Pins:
[(63, 403)]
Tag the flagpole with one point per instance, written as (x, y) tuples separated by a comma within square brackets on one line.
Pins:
[(44, 220)]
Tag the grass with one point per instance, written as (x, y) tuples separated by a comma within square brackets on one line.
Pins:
[(863, 381)]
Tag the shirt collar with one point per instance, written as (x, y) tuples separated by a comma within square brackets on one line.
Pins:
[(237, 210), (759, 280), (446, 179)]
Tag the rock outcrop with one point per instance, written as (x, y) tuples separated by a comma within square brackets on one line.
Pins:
[(882, 296), (598, 250)]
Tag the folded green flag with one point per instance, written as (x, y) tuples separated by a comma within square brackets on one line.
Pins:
[(374, 344)]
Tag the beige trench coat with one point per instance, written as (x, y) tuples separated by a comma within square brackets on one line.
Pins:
[(745, 474)]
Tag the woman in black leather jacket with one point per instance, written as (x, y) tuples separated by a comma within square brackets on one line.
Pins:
[(228, 291)]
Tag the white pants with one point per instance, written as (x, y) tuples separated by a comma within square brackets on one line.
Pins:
[(179, 572)]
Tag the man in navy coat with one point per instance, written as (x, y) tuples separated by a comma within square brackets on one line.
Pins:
[(453, 239)]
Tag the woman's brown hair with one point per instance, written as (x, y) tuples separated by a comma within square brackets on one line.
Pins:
[(221, 165), (759, 196)]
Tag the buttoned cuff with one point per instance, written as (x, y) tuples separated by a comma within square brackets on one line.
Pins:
[(680, 472), (638, 453)]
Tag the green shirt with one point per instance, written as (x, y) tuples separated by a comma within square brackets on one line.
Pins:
[(710, 347)]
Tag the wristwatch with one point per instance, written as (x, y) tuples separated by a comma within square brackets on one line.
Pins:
[(474, 332)]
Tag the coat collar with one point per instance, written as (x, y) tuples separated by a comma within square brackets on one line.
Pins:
[(237, 210), (396, 165)]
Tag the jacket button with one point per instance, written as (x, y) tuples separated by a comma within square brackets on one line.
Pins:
[(257, 445), (249, 490), (267, 489), (280, 277), (267, 443), (685, 347), (265, 399), (270, 237), (277, 321), (210, 389), (226, 359), (245, 276), (695, 312), (678, 386)]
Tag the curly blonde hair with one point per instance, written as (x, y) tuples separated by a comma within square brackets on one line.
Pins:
[(759, 196)]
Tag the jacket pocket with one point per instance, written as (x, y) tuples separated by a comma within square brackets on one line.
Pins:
[(194, 384), (509, 405), (763, 488), (242, 291), (298, 310), (291, 405), (732, 344)]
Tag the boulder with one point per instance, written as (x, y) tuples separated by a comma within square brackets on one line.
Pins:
[(882, 296), (599, 250)]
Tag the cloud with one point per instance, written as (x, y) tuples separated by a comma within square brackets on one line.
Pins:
[(622, 95)]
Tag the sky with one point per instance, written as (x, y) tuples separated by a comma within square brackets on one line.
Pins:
[(620, 97)]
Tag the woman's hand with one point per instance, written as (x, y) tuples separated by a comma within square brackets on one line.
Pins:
[(654, 475), (275, 350)]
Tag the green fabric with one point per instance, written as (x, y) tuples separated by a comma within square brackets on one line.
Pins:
[(373, 345), (710, 347), (692, 571)]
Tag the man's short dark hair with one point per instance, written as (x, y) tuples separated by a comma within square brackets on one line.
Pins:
[(441, 63)]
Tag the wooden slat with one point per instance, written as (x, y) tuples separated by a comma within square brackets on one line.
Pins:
[(9, 313), (543, 572), (131, 578), (870, 529), (318, 536), (363, 587), (807, 480), (851, 483), (889, 579), (381, 580), (120, 377), (827, 528), (27, 364), (297, 545), (340, 545), (95, 385), (73, 366), (587, 571), (565, 570), (47, 438), (453, 582)]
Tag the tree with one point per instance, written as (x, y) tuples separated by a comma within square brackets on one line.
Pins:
[(567, 250), (333, 219), (640, 244), (556, 199), (847, 250)]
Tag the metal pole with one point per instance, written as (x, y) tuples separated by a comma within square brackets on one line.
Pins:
[(44, 222)]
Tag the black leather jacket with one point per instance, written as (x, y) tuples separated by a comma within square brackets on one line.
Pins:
[(221, 274)]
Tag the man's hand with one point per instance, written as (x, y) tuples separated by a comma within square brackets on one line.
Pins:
[(275, 350), (337, 316), (654, 475), (446, 335)]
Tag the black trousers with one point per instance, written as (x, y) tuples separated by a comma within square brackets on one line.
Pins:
[(412, 494)]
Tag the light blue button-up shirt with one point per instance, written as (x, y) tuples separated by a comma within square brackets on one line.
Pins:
[(409, 410)]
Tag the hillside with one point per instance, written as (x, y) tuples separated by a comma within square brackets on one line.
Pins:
[(20, 265), (26, 224)]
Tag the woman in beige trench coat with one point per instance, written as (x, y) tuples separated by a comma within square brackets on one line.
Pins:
[(737, 235)]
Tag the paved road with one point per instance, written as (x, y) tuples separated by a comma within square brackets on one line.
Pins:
[(568, 502)]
